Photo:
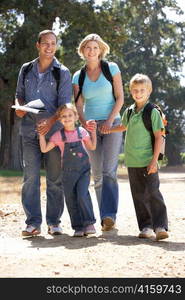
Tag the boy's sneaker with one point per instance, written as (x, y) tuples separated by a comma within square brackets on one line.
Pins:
[(107, 224), (161, 233), (31, 231), (54, 230), (146, 233), (78, 233), (90, 229)]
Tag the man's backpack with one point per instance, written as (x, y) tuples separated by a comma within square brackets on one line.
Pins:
[(146, 116), (55, 72), (106, 72)]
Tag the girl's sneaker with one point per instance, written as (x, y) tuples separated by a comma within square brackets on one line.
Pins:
[(78, 233), (89, 229)]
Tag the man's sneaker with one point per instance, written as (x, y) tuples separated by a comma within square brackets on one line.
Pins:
[(31, 231), (90, 229), (78, 233), (161, 233), (54, 230), (107, 224), (146, 233)]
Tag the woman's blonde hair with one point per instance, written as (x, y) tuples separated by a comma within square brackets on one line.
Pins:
[(66, 106), (139, 79), (104, 47)]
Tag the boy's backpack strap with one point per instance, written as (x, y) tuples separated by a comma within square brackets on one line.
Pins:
[(107, 73), (146, 116), (79, 132), (56, 75), (148, 122), (64, 139), (81, 81)]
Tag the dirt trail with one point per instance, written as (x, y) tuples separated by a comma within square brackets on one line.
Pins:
[(113, 254)]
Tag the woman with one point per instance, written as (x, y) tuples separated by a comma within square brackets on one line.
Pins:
[(100, 101)]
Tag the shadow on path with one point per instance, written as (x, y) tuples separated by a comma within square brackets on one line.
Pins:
[(72, 243)]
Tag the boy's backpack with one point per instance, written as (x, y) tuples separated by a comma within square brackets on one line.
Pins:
[(146, 116), (55, 72), (106, 72)]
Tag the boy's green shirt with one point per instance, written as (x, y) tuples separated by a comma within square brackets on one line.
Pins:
[(138, 145)]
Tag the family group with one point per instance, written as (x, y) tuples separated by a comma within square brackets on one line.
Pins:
[(80, 132)]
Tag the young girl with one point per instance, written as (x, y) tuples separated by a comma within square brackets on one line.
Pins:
[(73, 142)]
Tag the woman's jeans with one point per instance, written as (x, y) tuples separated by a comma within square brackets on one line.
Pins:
[(32, 157), (104, 163), (148, 200)]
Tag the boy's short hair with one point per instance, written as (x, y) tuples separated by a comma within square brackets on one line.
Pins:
[(66, 106), (104, 47), (140, 79), (44, 32)]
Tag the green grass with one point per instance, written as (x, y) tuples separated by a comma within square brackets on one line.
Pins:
[(10, 173), (13, 173), (121, 159)]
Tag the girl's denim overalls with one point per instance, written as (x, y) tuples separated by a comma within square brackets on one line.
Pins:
[(76, 180)]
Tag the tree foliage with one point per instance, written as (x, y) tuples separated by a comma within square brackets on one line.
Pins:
[(142, 40)]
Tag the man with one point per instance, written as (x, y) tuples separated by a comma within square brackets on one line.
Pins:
[(37, 80)]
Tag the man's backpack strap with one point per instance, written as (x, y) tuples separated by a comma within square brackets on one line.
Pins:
[(55, 72), (26, 70), (56, 75)]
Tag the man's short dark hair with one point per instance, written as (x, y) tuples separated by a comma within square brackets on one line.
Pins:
[(44, 32)]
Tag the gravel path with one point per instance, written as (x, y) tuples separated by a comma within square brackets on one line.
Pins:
[(119, 253)]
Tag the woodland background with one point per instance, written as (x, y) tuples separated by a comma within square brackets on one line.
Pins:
[(142, 39)]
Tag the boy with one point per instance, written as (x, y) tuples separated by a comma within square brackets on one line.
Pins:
[(142, 161)]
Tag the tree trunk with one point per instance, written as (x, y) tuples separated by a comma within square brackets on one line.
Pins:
[(5, 139), (10, 150), (16, 146)]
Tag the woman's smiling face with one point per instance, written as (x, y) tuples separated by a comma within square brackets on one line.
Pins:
[(91, 51)]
